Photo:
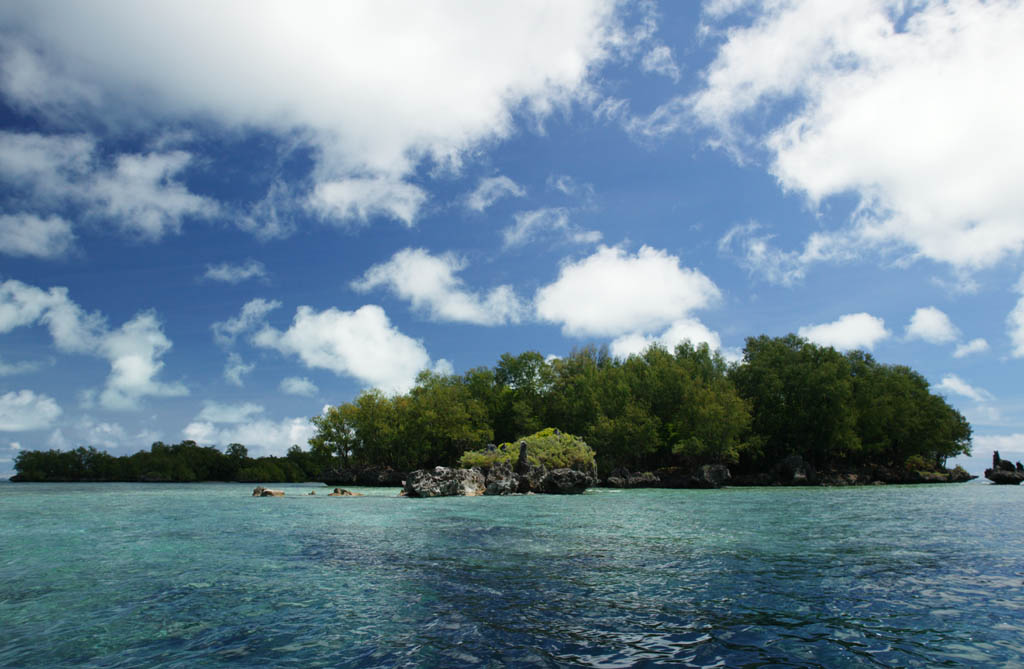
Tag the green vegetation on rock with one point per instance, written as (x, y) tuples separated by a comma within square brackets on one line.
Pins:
[(549, 447)]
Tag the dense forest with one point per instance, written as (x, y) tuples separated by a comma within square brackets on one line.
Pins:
[(661, 408)]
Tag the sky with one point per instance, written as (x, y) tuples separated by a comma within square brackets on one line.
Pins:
[(217, 218)]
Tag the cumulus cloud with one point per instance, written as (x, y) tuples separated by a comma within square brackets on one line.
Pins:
[(951, 383), (30, 235), (235, 369), (373, 104), (909, 107), (228, 273), (492, 189), (139, 192), (23, 410), (978, 345), (362, 344), (134, 350), (689, 329), (547, 222), (614, 293), (253, 313), (933, 326), (294, 385), (430, 284), (848, 332), (262, 436)]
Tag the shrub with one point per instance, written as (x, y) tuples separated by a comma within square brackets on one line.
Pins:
[(549, 447)]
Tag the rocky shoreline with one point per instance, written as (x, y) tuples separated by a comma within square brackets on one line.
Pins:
[(524, 478)]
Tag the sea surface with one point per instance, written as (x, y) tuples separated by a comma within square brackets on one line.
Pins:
[(194, 575)]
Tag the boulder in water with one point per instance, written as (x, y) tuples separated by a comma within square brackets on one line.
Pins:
[(260, 491), (445, 482)]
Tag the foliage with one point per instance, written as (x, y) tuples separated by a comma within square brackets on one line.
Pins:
[(549, 447), (680, 408)]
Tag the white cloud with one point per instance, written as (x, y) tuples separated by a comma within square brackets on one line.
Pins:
[(531, 225), (430, 284), (666, 119), (1014, 322), (133, 350), (252, 314), (492, 189), (660, 61), (138, 193), (235, 368), (369, 85), (754, 251), (12, 368), (933, 326), (261, 436), (294, 385), (215, 412), (30, 235), (104, 434), (359, 199), (361, 343), (688, 329), (916, 120), (15, 446), (978, 345), (141, 196), (251, 269), (25, 410), (851, 331), (951, 383), (612, 293)]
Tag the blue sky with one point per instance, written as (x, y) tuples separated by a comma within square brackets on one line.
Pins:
[(216, 220)]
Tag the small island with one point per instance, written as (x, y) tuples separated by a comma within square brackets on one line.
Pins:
[(790, 412)]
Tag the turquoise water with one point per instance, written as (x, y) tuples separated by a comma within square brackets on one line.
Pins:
[(112, 575)]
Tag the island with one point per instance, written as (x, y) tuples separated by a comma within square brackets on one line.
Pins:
[(789, 412)]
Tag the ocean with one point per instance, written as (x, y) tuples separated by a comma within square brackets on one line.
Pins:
[(204, 575)]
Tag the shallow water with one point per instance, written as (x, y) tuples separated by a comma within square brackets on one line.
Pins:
[(173, 575)]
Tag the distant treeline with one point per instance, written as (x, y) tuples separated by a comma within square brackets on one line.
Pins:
[(178, 463), (680, 408)]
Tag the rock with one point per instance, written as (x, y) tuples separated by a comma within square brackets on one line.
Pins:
[(531, 480), (260, 491), (794, 470), (1003, 472), (341, 492), (445, 482), (623, 478), (710, 476), (311, 492), (523, 463), (565, 481), (501, 480)]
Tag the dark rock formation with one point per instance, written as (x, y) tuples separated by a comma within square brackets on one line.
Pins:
[(623, 478), (565, 481), (794, 470), (260, 491), (501, 480), (710, 476), (445, 482), (1004, 472)]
